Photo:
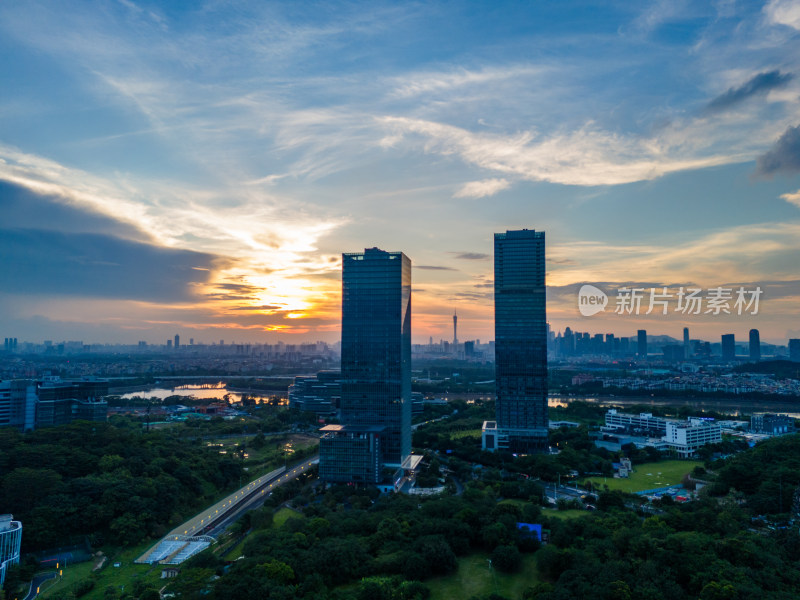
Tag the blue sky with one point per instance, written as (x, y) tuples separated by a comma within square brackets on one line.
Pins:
[(198, 168)]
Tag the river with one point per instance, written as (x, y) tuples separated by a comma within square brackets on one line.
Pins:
[(214, 391)]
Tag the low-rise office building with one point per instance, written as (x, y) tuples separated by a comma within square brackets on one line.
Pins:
[(350, 453), (18, 404), (643, 422), (685, 437), (27, 404), (771, 424)]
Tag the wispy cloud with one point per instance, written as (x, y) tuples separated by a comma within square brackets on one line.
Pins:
[(483, 188), (792, 198), (783, 12), (471, 256), (432, 83), (586, 157), (759, 84)]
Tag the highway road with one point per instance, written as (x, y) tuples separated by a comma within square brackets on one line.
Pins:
[(214, 519), (198, 523), (257, 500)]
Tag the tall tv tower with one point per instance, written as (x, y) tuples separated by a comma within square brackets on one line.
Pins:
[(455, 328)]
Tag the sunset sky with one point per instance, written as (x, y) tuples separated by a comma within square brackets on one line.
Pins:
[(198, 168)]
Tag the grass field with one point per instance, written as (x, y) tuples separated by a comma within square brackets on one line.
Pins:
[(109, 575), (236, 551), (283, 515), (476, 433), (648, 476), (514, 501), (565, 514), (71, 575), (475, 578)]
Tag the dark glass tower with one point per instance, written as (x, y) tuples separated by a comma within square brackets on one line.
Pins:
[(376, 347), (520, 339), (641, 338), (755, 345), (728, 346)]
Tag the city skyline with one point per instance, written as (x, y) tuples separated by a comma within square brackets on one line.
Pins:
[(199, 171)]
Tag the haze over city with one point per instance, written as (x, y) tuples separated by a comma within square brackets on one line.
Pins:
[(200, 169)]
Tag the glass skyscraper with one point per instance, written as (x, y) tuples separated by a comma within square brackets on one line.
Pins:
[(520, 343), (376, 347)]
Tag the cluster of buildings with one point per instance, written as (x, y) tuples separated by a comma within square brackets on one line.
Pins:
[(174, 347), (572, 344), (684, 437), (372, 444), (30, 404), (643, 429), (733, 383)]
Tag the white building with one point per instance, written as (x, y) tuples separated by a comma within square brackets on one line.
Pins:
[(641, 422), (10, 542), (685, 437)]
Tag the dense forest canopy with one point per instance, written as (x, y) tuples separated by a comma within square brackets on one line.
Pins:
[(113, 483)]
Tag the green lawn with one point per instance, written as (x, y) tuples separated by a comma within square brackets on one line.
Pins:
[(236, 551), (648, 476), (571, 513), (475, 578), (515, 502), (71, 575), (476, 433), (283, 515), (109, 575)]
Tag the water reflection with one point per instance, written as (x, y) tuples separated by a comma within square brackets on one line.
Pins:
[(216, 391)]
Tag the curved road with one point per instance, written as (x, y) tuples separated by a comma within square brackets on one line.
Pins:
[(38, 580)]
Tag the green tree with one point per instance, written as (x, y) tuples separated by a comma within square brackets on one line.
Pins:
[(506, 559)]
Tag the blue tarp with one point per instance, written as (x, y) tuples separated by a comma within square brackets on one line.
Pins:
[(528, 529)]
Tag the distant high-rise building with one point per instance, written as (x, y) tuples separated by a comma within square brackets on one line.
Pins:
[(794, 350), (455, 328), (169, 344), (728, 347), (10, 543), (569, 342), (642, 343), (376, 368), (177, 341), (520, 343), (755, 345), (687, 351)]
